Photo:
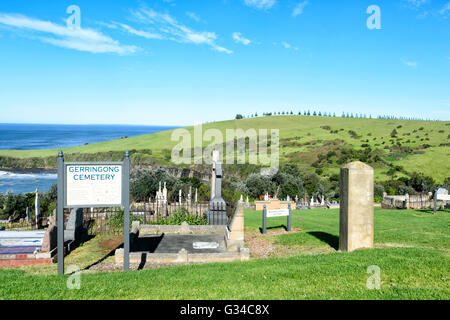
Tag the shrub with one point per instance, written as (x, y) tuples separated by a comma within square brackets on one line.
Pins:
[(182, 215), (258, 184)]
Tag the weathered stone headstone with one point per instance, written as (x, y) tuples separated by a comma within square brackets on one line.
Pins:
[(74, 225), (50, 239), (356, 207), (189, 197)]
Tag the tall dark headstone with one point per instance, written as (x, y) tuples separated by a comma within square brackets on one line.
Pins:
[(217, 205)]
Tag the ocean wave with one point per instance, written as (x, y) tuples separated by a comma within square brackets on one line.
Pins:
[(28, 175)]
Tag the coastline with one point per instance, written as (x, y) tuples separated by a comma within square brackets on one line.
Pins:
[(29, 170)]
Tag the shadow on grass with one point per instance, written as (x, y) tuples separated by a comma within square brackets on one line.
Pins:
[(332, 240), (273, 228), (110, 254), (432, 210)]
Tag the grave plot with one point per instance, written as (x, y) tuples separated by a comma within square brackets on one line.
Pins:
[(172, 243), (19, 248), (153, 244)]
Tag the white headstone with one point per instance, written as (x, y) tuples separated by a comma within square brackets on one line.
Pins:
[(37, 205)]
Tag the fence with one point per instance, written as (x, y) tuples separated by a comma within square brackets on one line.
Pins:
[(411, 202), (23, 225), (110, 220)]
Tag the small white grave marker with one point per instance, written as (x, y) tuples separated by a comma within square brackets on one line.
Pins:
[(205, 245)]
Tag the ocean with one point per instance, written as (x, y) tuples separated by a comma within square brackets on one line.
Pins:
[(45, 136)]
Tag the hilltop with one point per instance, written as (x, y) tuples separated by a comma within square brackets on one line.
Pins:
[(315, 144)]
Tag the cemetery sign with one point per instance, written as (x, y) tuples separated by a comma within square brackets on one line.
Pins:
[(276, 214), (93, 185), (90, 185)]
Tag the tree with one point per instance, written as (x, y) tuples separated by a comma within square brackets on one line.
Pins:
[(394, 133), (291, 169), (258, 184), (421, 183), (239, 117)]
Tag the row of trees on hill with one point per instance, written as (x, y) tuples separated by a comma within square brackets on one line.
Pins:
[(328, 114)]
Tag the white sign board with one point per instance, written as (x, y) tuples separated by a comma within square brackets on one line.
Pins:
[(277, 213), (93, 185)]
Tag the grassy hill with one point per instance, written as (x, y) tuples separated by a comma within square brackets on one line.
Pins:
[(313, 143)]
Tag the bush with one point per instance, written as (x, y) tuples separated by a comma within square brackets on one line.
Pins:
[(378, 190), (258, 185), (118, 218), (182, 215)]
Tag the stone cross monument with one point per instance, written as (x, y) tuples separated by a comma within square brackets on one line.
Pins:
[(356, 207)]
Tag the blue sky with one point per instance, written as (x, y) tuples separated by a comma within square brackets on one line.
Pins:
[(174, 62)]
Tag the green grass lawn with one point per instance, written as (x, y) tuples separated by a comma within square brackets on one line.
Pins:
[(412, 251)]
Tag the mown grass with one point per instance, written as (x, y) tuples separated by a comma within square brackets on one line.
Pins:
[(295, 132), (418, 271), (418, 228)]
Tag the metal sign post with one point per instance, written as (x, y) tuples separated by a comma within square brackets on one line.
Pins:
[(435, 202), (60, 213), (274, 214), (126, 213), (289, 219), (264, 224), (93, 185)]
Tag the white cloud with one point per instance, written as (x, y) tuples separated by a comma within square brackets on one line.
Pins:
[(140, 33), (445, 10), (171, 29), (72, 38), (260, 4), (193, 16), (286, 45), (299, 8), (237, 37), (411, 64), (416, 3)]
